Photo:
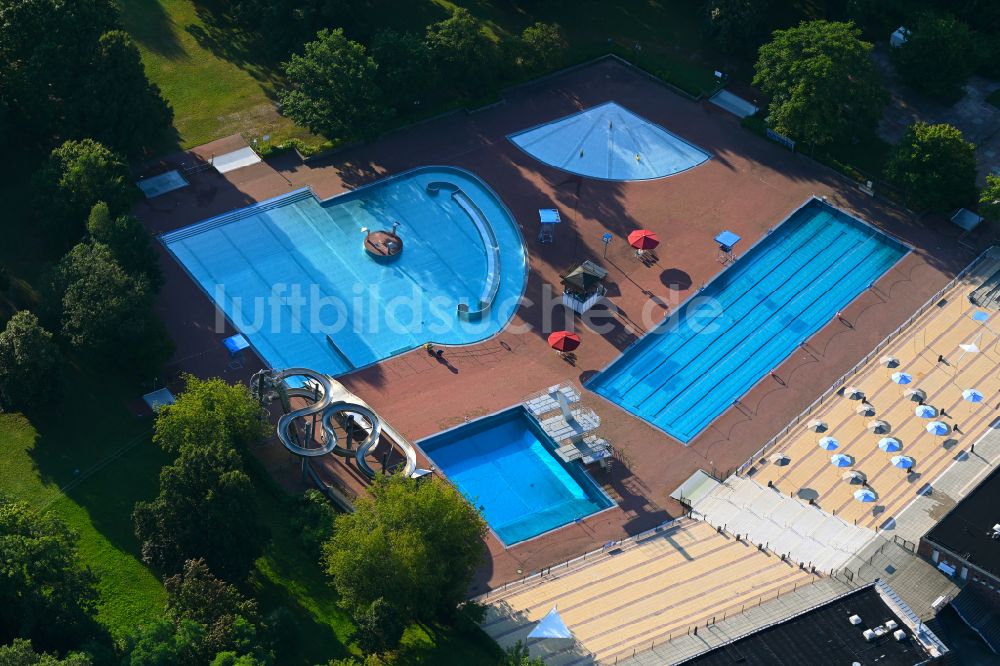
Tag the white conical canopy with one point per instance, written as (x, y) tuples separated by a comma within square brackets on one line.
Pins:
[(551, 626), (609, 142)]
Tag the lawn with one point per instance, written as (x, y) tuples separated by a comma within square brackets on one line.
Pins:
[(215, 89), (211, 96), (35, 466)]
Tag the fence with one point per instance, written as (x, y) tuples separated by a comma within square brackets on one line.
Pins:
[(612, 546), (692, 629), (836, 386)]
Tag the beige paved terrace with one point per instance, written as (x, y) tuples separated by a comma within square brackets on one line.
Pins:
[(937, 332), (624, 603)]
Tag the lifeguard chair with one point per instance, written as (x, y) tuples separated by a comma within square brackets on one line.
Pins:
[(726, 241), (549, 218)]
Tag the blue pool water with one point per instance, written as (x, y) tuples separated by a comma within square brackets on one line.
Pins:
[(292, 274), (505, 465), (691, 368), (609, 142)]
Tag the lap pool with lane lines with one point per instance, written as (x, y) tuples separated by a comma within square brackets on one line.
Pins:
[(682, 375)]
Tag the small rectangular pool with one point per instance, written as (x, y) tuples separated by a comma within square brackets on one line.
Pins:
[(506, 465), (687, 371)]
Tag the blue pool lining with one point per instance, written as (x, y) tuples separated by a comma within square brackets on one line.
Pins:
[(510, 137), (822, 200), (300, 193), (536, 428)]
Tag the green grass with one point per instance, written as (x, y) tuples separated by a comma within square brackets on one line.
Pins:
[(35, 465), (211, 96), (217, 90)]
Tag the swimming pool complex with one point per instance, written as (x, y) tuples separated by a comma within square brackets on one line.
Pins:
[(609, 142), (293, 276), (505, 465), (687, 371)]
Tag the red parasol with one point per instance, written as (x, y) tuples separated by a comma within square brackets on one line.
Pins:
[(643, 239), (564, 341)]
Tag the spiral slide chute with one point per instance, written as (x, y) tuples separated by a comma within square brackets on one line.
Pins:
[(330, 400)]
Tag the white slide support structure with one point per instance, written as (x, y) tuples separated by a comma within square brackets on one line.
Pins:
[(330, 399)]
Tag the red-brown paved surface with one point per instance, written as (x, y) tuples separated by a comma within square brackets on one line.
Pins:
[(748, 186)]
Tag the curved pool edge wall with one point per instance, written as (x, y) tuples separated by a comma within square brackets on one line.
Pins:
[(510, 137), (576, 471), (307, 191), (591, 383)]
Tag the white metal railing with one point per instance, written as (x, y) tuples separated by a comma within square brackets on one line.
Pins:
[(627, 542), (836, 386)]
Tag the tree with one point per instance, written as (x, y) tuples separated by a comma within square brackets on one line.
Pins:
[(736, 26), (206, 481), (403, 72), (822, 82), (123, 109), (935, 167), (77, 175), (380, 627), (461, 53), (104, 310), (333, 90), (542, 47), (989, 198), (415, 545), (233, 659), (128, 241), (230, 620), (46, 47), (48, 596), (314, 521), (20, 653), (937, 58), (30, 364), (210, 410), (165, 644), (518, 655)]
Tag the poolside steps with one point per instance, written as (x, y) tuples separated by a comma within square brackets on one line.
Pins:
[(618, 604), (782, 524), (236, 215)]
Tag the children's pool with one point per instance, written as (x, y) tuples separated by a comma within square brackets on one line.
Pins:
[(506, 466), (683, 374), (293, 276)]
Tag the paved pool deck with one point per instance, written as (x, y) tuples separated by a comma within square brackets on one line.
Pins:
[(749, 185)]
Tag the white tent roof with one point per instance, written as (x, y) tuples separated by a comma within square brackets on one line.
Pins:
[(551, 626)]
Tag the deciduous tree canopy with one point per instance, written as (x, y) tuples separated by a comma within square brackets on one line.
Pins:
[(48, 596), (822, 82), (333, 87), (413, 545), (935, 167), (30, 364), (938, 57)]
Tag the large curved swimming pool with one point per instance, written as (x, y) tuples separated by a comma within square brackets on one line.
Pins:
[(292, 274)]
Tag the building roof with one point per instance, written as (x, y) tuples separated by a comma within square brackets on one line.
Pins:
[(824, 636), (966, 529)]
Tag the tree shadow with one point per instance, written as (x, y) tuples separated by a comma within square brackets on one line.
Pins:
[(150, 26)]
